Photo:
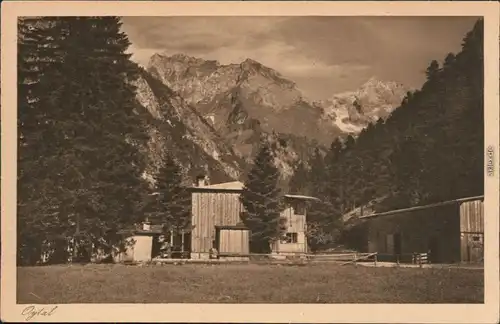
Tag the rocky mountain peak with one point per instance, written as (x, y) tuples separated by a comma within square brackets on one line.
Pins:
[(183, 57), (374, 82), (257, 69), (250, 62), (351, 111), (382, 89), (179, 58)]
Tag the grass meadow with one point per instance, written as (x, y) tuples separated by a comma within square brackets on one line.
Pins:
[(246, 283)]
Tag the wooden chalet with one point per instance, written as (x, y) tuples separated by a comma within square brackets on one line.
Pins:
[(216, 222)]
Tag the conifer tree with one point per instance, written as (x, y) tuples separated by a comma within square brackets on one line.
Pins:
[(173, 201), (406, 161), (323, 218), (317, 173), (432, 70), (78, 157), (38, 196), (299, 181), (262, 200), (449, 60)]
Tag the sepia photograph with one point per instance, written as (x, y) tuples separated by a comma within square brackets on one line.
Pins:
[(249, 159)]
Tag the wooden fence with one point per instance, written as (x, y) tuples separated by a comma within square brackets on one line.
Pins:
[(342, 258), (420, 258)]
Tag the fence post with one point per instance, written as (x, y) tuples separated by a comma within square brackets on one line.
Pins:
[(355, 259), (397, 260), (375, 259)]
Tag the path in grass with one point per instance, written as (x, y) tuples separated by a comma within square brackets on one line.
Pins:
[(188, 283)]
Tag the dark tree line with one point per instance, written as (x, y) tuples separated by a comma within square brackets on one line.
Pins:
[(79, 174), (80, 167), (430, 149)]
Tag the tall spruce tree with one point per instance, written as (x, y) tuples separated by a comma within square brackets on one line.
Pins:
[(317, 173), (299, 182), (79, 165), (173, 201), (406, 161), (325, 183), (334, 176), (38, 194), (262, 200)]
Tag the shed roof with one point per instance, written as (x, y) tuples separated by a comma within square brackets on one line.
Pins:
[(138, 231), (404, 210)]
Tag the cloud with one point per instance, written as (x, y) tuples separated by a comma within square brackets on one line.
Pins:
[(323, 55), (198, 34), (142, 55)]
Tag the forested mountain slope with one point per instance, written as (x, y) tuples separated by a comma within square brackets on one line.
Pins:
[(174, 127), (430, 149)]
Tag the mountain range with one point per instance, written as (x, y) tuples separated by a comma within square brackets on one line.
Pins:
[(210, 116)]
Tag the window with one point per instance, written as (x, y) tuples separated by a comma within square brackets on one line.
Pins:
[(299, 208), (289, 238)]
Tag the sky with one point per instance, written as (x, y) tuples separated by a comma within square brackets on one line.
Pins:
[(322, 55)]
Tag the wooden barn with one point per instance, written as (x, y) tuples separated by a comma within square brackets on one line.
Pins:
[(450, 232), (216, 221)]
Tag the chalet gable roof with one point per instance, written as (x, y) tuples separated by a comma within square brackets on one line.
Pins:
[(238, 186), (233, 185)]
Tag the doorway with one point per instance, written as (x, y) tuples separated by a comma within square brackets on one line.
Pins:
[(232, 240), (475, 247), (433, 249), (397, 244)]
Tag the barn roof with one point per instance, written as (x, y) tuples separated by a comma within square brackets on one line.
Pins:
[(302, 197), (399, 211)]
